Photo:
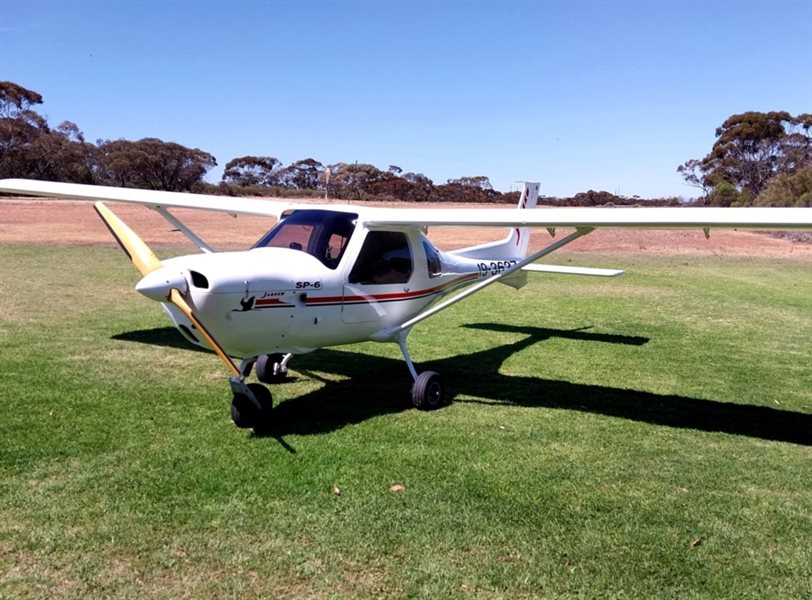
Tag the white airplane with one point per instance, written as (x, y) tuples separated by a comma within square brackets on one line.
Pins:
[(330, 274)]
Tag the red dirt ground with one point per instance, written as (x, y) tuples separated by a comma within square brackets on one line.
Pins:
[(65, 222)]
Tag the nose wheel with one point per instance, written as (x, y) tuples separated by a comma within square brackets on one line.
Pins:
[(251, 403), (249, 413)]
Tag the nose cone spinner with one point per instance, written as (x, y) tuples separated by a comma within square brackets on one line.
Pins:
[(158, 284)]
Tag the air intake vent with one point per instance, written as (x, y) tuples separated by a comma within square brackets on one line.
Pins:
[(199, 280)]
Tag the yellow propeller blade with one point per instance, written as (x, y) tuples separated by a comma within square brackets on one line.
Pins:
[(176, 298), (142, 257)]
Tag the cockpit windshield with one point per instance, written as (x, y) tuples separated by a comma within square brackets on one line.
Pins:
[(323, 234)]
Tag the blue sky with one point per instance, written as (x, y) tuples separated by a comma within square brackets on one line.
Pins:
[(577, 95)]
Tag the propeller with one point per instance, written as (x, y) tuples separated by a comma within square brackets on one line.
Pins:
[(158, 282)]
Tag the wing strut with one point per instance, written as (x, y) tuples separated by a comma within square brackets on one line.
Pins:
[(178, 224), (580, 232)]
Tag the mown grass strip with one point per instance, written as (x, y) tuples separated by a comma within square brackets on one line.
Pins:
[(645, 437)]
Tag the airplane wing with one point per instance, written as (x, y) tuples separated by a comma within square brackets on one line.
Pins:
[(152, 198), (593, 218), (551, 218)]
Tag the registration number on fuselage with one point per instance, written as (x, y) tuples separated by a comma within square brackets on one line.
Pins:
[(494, 267)]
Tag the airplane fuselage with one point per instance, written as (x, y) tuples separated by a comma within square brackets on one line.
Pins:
[(303, 295)]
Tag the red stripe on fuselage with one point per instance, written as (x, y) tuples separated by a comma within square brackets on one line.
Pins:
[(268, 302), (392, 297)]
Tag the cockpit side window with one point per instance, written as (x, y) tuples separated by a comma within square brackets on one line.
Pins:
[(323, 234), (385, 257)]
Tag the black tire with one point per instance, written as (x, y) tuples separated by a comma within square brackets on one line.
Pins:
[(244, 412), (266, 368), (427, 391)]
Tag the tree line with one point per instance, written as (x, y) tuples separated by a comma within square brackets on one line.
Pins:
[(31, 148), (758, 158)]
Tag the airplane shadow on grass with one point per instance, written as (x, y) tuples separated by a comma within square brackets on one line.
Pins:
[(376, 386), (167, 337)]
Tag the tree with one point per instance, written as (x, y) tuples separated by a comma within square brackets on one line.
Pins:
[(388, 186), (787, 189), (248, 171), (724, 194), (751, 148), (16, 103), (477, 188), (20, 126), (421, 187), (303, 174), (61, 154), (477, 181), (30, 148), (353, 180), (152, 164)]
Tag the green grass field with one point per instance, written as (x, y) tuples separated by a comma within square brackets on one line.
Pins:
[(647, 436)]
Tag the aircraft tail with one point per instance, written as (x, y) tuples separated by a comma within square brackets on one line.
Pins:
[(514, 246), (520, 236)]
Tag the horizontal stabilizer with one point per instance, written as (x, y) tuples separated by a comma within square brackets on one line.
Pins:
[(573, 270)]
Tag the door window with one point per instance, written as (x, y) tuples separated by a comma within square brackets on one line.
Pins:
[(385, 257)]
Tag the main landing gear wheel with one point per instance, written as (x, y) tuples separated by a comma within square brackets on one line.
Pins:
[(245, 413), (427, 391), (271, 368)]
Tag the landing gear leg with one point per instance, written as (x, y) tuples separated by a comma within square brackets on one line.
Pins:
[(427, 390)]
